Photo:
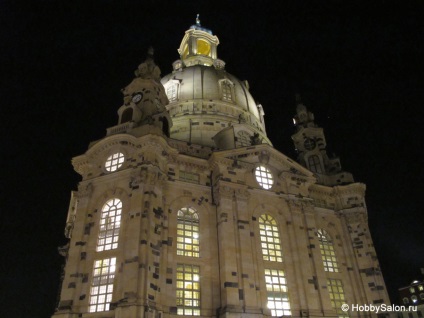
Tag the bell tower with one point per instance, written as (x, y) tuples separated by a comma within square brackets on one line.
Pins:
[(310, 144)]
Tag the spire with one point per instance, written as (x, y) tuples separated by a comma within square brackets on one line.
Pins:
[(199, 27)]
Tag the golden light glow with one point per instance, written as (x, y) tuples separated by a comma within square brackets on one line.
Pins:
[(203, 47)]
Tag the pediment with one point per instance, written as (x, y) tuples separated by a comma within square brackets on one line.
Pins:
[(248, 157)]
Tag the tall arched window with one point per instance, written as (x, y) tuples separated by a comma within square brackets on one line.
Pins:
[(188, 232), (110, 223), (270, 239), (327, 251), (314, 164), (127, 115), (227, 90)]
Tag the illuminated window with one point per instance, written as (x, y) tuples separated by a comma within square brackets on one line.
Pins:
[(264, 177), (110, 223), (277, 294), (314, 164), (171, 92), (226, 91), (203, 47), (327, 252), (102, 285), (188, 232), (420, 287), (337, 296), (411, 289), (114, 162), (270, 239), (188, 290)]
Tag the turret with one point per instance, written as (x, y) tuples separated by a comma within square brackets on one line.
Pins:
[(310, 144)]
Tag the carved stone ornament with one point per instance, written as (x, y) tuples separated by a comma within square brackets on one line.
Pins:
[(353, 217), (85, 190), (242, 194)]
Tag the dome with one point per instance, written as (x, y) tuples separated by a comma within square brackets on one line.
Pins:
[(208, 105)]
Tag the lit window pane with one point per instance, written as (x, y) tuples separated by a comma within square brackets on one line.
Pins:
[(111, 216), (188, 232), (264, 177), (327, 251), (102, 284), (278, 299), (271, 248), (188, 290), (114, 162), (337, 296)]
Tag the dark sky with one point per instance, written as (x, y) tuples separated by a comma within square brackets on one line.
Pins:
[(357, 65)]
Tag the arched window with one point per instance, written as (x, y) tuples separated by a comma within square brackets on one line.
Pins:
[(270, 239), (314, 164), (110, 222), (171, 92), (227, 90), (188, 232), (327, 251), (127, 115)]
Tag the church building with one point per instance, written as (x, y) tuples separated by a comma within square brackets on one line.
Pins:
[(186, 209)]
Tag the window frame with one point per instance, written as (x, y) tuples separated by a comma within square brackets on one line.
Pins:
[(226, 90), (270, 239), (337, 296), (187, 289), (101, 288), (110, 165), (188, 232), (109, 225), (264, 177), (277, 292), (328, 253), (314, 164)]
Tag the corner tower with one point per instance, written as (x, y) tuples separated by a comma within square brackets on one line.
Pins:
[(208, 105), (311, 145)]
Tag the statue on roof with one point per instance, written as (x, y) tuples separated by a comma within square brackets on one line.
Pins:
[(148, 69)]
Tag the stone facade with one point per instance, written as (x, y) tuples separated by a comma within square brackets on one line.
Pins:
[(174, 219)]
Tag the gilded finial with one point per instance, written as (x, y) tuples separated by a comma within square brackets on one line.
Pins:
[(198, 20)]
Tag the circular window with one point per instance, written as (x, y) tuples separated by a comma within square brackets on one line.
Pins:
[(114, 162), (264, 177)]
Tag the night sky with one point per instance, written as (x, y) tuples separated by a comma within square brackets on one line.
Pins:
[(357, 65)]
